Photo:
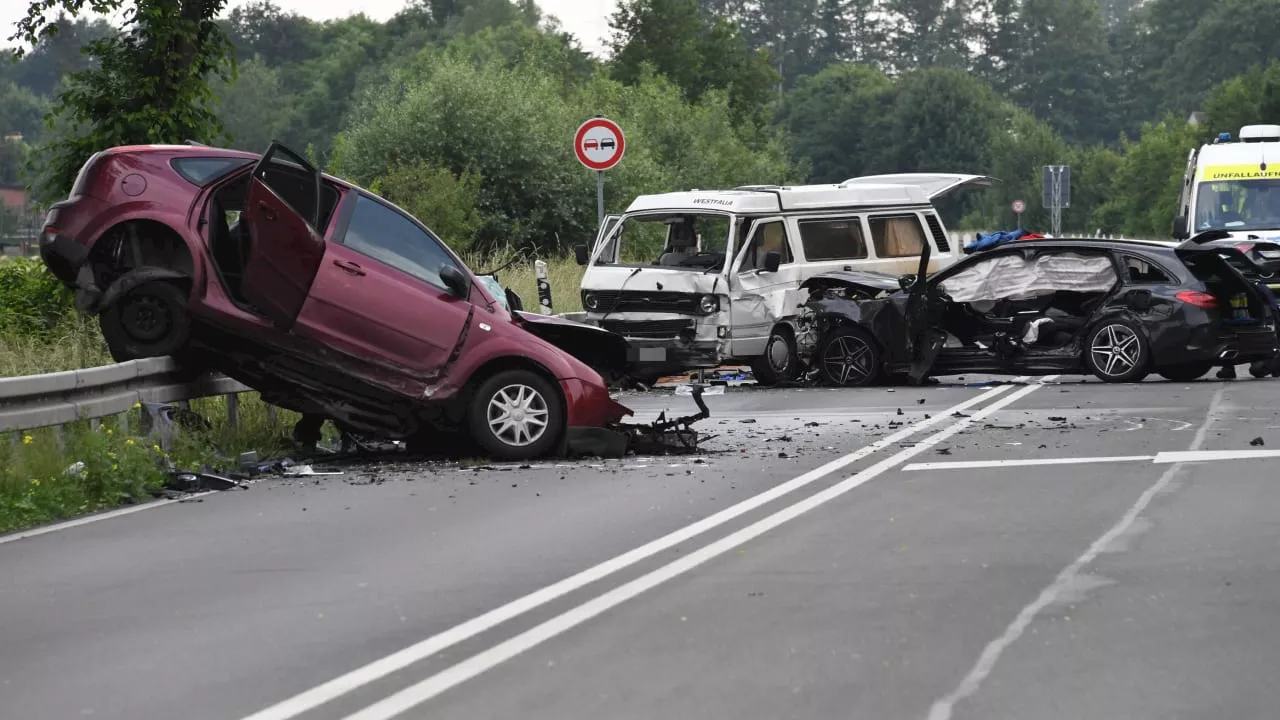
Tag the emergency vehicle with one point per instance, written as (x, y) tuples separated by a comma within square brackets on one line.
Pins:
[(1233, 185)]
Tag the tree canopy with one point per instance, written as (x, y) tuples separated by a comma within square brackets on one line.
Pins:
[(461, 110)]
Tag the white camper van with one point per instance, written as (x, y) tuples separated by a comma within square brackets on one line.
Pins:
[(695, 279), (1233, 186)]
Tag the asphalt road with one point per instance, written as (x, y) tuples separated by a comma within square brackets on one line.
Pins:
[(826, 557)]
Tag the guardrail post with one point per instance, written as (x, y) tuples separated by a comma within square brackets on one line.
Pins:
[(60, 438), (233, 410), (122, 422), (271, 414)]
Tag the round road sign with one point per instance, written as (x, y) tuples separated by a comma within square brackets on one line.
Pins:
[(1019, 206), (599, 144)]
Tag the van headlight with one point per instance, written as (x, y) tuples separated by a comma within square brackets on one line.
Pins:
[(590, 301), (709, 304)]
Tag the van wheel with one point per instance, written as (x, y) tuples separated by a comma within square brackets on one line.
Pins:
[(780, 360), (150, 320), (516, 415), (850, 357), (1118, 352)]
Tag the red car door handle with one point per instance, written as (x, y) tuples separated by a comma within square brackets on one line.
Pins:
[(349, 267), (267, 212)]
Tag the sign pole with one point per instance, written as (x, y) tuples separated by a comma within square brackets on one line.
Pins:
[(599, 145), (599, 198)]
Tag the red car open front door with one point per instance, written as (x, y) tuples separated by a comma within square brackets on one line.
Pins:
[(286, 248)]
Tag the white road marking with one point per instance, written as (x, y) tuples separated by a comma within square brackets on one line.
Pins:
[(55, 527), (440, 682), (1207, 455), (339, 686), (943, 708), (972, 464)]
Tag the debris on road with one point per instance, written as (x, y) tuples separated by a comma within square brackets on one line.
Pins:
[(1256, 442)]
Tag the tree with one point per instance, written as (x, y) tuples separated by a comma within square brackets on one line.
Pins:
[(1249, 99), (250, 107), (1148, 179), (835, 121), (509, 126), (675, 38), (1063, 67), (834, 30), (930, 33), (1231, 38), (260, 28), (150, 83), (58, 55)]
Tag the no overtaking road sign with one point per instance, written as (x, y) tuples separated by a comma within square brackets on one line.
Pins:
[(599, 144)]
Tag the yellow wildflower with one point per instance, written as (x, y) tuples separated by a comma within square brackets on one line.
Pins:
[(115, 467), (109, 432), (35, 483), (137, 406), (129, 442), (156, 448), (27, 439), (111, 455)]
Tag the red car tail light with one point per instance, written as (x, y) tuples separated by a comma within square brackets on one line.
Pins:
[(1199, 299)]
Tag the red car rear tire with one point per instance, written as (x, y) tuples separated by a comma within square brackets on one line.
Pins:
[(516, 415), (150, 320)]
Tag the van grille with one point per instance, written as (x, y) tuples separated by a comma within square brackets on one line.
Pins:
[(649, 329), (643, 301)]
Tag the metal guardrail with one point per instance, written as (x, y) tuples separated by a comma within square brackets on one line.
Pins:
[(55, 399)]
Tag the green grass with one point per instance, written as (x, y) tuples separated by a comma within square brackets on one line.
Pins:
[(120, 464)]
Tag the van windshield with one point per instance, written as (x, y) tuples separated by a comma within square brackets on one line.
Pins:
[(681, 241), (1238, 205)]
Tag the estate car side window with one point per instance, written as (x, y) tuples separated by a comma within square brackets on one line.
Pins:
[(833, 239), (388, 236), (769, 237), (897, 236), (1140, 271)]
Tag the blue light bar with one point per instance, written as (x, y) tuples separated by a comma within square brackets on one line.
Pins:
[(1224, 137)]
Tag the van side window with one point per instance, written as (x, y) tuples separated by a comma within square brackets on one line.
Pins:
[(833, 239), (1138, 270), (897, 236), (769, 237)]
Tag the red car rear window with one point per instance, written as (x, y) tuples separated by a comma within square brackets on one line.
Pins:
[(204, 170)]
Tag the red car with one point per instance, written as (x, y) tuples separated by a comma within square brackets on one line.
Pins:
[(328, 299)]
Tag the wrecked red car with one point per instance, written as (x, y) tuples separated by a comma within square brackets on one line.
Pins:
[(326, 298)]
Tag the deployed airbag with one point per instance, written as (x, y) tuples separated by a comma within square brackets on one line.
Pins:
[(1017, 277)]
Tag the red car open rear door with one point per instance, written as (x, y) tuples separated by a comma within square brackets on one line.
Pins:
[(286, 248)]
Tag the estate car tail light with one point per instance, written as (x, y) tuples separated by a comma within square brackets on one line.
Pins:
[(1199, 299)]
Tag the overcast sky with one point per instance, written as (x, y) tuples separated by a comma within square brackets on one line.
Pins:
[(587, 19)]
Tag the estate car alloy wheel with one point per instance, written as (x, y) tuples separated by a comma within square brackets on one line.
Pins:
[(516, 415), (1117, 352), (849, 358)]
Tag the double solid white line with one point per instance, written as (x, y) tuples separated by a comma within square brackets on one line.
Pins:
[(479, 663)]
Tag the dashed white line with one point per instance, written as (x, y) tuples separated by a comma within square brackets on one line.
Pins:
[(972, 682), (339, 686), (440, 682)]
